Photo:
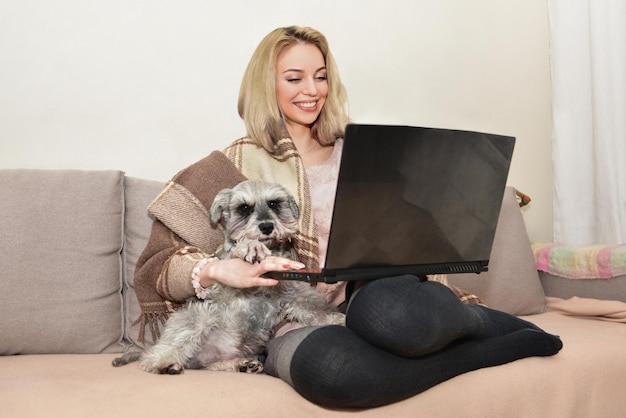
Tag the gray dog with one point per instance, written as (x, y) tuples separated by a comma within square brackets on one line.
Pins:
[(229, 329)]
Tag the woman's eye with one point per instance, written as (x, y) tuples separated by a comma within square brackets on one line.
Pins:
[(321, 78), (293, 80)]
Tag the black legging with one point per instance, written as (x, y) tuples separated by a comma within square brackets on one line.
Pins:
[(402, 336)]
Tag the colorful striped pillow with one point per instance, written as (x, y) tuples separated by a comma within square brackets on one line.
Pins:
[(581, 262)]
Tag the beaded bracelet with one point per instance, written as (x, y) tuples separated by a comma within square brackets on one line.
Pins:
[(201, 292)]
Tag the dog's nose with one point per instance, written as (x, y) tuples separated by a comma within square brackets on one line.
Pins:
[(266, 227)]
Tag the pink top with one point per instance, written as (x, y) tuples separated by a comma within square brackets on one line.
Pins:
[(322, 187)]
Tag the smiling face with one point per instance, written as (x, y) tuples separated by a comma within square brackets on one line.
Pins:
[(301, 85)]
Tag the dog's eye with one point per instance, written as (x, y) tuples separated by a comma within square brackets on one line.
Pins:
[(244, 209), (275, 205)]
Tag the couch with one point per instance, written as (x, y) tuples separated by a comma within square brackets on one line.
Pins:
[(69, 243)]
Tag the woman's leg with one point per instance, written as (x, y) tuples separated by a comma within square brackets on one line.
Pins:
[(333, 367), (412, 318), (337, 367)]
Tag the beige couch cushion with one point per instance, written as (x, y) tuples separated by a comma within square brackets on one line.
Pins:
[(586, 379), (512, 283), (60, 275), (138, 195)]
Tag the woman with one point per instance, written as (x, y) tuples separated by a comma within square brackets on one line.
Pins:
[(293, 104)]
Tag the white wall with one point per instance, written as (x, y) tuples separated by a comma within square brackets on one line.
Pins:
[(150, 86)]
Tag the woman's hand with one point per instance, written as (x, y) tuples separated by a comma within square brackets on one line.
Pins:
[(238, 273)]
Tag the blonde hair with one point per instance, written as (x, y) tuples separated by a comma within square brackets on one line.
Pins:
[(258, 104)]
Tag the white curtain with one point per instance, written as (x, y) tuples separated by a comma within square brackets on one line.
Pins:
[(588, 58)]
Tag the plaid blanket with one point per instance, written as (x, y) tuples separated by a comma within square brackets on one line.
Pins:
[(581, 262)]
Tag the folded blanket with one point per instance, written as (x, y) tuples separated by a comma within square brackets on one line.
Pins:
[(581, 262), (605, 310)]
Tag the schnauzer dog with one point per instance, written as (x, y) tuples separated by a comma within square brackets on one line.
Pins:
[(229, 329)]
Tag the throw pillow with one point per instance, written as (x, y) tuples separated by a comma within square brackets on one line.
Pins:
[(60, 281), (512, 283)]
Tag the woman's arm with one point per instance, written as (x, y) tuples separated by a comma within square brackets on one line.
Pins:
[(171, 261), (165, 266)]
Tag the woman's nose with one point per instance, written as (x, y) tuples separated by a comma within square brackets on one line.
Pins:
[(310, 88)]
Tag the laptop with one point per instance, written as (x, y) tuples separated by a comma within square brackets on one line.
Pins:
[(413, 200)]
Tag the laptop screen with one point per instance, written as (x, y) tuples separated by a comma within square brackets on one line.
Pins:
[(417, 196)]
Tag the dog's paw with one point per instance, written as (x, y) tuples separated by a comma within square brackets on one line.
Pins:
[(250, 366), (335, 318), (161, 367), (252, 251), (175, 368)]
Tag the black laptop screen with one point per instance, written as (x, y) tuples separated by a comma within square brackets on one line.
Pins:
[(417, 196)]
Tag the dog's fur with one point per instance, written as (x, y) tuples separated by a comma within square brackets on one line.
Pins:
[(229, 329)]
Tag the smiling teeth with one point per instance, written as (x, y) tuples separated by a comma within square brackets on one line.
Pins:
[(312, 104)]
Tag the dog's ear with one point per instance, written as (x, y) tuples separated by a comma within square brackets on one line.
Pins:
[(295, 210), (219, 207)]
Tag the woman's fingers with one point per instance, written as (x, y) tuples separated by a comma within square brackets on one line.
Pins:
[(274, 263)]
